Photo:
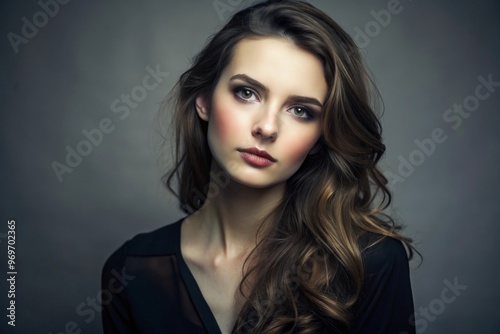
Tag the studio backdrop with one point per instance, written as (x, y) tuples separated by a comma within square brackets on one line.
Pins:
[(82, 81)]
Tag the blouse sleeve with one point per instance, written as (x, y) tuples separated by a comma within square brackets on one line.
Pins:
[(386, 301), (115, 310)]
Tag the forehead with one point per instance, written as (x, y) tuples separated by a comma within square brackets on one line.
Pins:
[(280, 65)]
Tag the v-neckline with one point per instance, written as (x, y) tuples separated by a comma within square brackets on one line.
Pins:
[(201, 305)]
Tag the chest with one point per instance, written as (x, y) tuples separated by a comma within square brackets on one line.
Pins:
[(219, 288)]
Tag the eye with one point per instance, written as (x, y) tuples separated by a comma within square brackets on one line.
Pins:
[(301, 112), (245, 94)]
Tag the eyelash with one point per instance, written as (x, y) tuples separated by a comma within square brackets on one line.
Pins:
[(238, 90), (310, 115)]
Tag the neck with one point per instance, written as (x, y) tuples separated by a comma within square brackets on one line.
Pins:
[(229, 220)]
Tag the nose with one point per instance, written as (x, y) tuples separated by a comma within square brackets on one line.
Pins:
[(266, 125)]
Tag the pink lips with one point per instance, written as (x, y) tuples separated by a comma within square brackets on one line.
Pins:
[(256, 157)]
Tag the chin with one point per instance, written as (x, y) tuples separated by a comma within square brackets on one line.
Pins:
[(256, 181)]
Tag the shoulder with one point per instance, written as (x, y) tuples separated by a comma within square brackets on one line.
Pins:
[(161, 241), (383, 254), (385, 302)]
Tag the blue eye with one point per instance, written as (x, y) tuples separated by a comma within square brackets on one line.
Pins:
[(302, 112), (245, 94)]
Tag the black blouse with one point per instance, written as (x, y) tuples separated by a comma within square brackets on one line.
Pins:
[(147, 287)]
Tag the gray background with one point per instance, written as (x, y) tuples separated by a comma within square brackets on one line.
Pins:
[(64, 79)]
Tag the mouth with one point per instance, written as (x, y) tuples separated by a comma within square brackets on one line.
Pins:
[(259, 153), (256, 157)]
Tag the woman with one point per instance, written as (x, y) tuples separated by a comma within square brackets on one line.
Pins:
[(275, 166)]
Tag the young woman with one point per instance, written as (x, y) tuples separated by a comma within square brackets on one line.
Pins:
[(277, 144)]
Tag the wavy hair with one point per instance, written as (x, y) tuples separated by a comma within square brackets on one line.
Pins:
[(309, 263)]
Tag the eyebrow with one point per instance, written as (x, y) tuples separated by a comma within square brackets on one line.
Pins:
[(294, 98)]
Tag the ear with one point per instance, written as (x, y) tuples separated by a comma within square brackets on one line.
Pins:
[(201, 104)]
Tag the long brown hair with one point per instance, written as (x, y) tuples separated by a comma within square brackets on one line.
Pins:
[(309, 265)]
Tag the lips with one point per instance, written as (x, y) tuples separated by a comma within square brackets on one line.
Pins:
[(259, 153), (256, 158)]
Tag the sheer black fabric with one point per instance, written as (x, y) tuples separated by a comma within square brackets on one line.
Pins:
[(147, 287)]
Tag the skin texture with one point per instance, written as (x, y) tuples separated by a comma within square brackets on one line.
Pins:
[(269, 120), (217, 238)]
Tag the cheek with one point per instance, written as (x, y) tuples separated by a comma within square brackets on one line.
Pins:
[(219, 127), (223, 125), (298, 152), (298, 148)]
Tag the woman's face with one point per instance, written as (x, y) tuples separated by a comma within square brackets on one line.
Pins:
[(265, 113)]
